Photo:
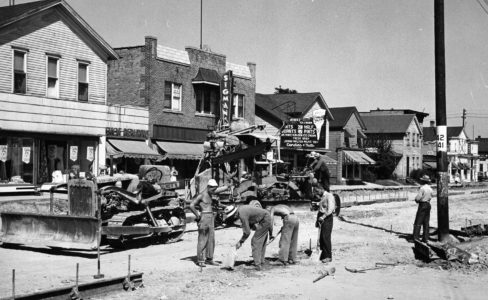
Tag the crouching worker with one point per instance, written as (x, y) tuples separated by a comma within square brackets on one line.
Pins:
[(205, 221), (289, 234), (258, 219)]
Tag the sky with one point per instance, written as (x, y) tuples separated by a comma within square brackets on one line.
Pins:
[(369, 54)]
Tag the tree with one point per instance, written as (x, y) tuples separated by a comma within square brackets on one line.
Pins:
[(280, 90), (380, 149)]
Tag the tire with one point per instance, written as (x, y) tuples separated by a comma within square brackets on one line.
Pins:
[(255, 203), (337, 199)]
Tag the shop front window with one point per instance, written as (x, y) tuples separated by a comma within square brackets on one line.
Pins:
[(16, 160)]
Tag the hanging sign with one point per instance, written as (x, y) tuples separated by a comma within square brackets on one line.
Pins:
[(26, 154), (318, 118), (3, 153), (51, 151), (226, 98), (89, 153), (73, 153)]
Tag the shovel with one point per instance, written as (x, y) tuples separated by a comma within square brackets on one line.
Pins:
[(377, 266), (271, 240), (230, 259)]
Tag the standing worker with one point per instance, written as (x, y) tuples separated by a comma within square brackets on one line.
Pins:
[(325, 222), (205, 220), (320, 169), (289, 234), (258, 219), (423, 212)]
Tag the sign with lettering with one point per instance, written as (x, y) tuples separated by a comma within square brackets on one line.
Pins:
[(126, 132), (442, 138), (73, 153), (26, 154), (299, 134), (3, 153), (90, 153), (226, 98)]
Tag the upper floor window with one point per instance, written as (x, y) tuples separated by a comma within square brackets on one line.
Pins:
[(82, 81), (52, 77), (172, 96), (238, 106), (206, 99), (20, 72)]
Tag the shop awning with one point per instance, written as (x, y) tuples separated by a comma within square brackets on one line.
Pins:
[(329, 160), (130, 148), (207, 76), (176, 150), (357, 157), (464, 166)]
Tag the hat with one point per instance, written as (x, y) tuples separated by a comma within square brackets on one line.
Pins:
[(313, 154), (425, 178), (212, 182), (229, 211)]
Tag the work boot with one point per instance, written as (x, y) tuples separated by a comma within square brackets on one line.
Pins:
[(258, 267), (279, 263), (292, 262), (326, 260), (426, 233), (212, 262), (416, 232), (201, 264)]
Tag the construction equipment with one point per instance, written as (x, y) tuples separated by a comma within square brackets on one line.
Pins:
[(110, 213)]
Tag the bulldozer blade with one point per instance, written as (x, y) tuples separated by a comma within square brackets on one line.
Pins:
[(43, 230)]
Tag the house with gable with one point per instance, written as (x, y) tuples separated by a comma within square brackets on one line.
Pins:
[(53, 86), (462, 153), (404, 133), (274, 110), (346, 140), (483, 158)]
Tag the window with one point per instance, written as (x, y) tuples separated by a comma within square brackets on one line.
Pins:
[(19, 72), (172, 96), (206, 99), (82, 81), (238, 106), (52, 77)]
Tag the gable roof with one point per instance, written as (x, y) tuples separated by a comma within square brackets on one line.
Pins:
[(455, 131), (342, 116), (387, 123), (430, 134), (297, 103), (15, 13), (270, 107), (452, 132)]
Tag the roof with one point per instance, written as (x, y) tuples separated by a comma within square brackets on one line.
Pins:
[(268, 105), (238, 70), (171, 54), (454, 131), (296, 103), (387, 123), (12, 14), (482, 145), (342, 116), (207, 76), (430, 133), (419, 114)]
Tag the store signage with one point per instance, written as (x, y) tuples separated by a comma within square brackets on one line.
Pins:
[(90, 153), (299, 134), (126, 132), (73, 153), (26, 154), (226, 98), (318, 118), (3, 153)]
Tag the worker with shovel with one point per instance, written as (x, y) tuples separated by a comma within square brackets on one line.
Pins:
[(325, 222), (258, 219), (289, 234)]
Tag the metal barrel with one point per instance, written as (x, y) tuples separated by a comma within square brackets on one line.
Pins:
[(44, 230)]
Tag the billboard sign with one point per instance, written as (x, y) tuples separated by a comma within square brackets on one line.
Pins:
[(299, 134)]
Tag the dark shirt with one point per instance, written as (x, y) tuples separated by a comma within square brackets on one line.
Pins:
[(250, 216), (320, 165)]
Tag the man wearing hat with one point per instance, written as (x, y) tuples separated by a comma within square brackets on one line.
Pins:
[(320, 169), (423, 212), (205, 220), (258, 219)]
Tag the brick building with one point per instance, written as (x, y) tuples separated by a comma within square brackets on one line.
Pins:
[(181, 88)]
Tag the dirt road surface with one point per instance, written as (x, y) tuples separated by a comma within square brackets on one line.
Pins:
[(367, 234)]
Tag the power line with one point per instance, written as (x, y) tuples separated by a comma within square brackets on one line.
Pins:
[(484, 9)]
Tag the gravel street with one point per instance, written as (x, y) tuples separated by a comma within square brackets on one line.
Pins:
[(365, 235)]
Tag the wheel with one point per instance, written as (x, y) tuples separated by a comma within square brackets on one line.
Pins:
[(255, 203)]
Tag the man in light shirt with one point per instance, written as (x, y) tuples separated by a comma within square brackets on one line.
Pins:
[(423, 212), (325, 221)]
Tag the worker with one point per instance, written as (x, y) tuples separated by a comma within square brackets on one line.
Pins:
[(423, 212), (320, 169), (289, 234), (260, 220), (205, 220), (325, 222)]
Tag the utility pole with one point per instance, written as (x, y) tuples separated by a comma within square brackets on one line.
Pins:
[(464, 117), (440, 115), (201, 22)]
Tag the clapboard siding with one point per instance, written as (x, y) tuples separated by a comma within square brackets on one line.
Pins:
[(49, 33)]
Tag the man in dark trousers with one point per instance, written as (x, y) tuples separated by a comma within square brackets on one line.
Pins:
[(258, 219), (320, 169), (423, 212), (325, 222), (289, 234), (205, 220)]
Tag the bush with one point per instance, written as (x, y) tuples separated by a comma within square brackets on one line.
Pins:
[(368, 176)]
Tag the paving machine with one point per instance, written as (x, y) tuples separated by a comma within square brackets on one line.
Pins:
[(153, 211)]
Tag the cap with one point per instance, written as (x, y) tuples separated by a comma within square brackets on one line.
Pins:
[(229, 211)]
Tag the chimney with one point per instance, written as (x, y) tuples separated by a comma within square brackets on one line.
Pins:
[(151, 45), (432, 123), (252, 69)]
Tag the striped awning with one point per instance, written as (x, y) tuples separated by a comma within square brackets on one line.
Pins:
[(177, 150), (130, 148), (357, 157)]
